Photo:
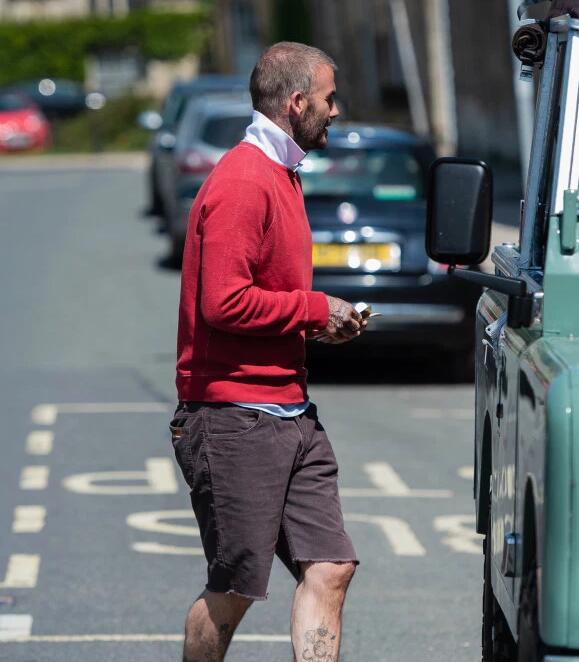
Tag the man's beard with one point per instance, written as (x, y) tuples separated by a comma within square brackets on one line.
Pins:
[(310, 130)]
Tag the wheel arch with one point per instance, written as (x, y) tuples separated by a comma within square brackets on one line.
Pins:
[(483, 476), (529, 540)]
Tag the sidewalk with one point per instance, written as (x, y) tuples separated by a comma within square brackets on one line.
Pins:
[(97, 161)]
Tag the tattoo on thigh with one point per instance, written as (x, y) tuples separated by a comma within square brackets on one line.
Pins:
[(320, 645)]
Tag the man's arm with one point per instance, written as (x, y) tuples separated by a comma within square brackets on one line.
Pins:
[(233, 232)]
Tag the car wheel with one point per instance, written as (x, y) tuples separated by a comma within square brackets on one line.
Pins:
[(155, 200), (497, 642), (530, 645), (176, 254)]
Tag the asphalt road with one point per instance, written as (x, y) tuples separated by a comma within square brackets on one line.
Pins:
[(99, 555)]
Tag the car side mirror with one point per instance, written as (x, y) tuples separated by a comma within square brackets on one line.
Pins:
[(459, 213), (150, 120)]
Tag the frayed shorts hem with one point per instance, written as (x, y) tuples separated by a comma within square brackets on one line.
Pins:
[(239, 594), (337, 561)]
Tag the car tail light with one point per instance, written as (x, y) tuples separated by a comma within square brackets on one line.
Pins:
[(195, 163)]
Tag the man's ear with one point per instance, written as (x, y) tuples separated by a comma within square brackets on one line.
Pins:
[(298, 104)]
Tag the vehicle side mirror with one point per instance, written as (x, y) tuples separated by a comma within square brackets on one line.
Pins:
[(459, 214), (150, 120)]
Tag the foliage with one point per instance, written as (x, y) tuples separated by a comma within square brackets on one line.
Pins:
[(39, 49), (114, 128)]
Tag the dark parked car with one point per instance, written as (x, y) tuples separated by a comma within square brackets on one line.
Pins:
[(211, 125), (365, 199), (58, 98), (165, 123)]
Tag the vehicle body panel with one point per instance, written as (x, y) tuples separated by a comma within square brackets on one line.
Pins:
[(534, 471), (163, 140)]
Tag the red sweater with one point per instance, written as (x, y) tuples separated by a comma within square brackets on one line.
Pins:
[(246, 298)]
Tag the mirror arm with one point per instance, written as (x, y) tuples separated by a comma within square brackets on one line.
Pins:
[(511, 286)]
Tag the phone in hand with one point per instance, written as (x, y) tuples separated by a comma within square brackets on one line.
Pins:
[(365, 309)]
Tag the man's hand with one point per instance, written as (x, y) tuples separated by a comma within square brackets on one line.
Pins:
[(344, 323), (560, 7)]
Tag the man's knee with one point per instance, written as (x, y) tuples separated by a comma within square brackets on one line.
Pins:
[(328, 577)]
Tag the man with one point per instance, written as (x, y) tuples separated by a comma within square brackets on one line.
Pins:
[(262, 473)]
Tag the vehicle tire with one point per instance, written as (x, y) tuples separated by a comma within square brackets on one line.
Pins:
[(155, 200), (497, 642), (530, 646), (176, 254)]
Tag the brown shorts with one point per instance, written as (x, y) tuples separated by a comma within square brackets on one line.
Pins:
[(260, 485)]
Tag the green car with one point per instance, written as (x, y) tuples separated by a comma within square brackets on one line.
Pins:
[(526, 479)]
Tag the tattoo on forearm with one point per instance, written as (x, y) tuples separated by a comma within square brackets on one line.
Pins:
[(320, 645)]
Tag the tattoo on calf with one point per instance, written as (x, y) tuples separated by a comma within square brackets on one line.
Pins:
[(320, 645)]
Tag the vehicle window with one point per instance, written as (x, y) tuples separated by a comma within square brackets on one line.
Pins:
[(394, 175), (12, 102), (173, 108), (225, 132)]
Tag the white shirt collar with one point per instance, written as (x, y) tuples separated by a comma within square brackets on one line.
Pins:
[(274, 141)]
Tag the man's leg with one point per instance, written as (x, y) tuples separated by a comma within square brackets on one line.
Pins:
[(317, 611), (210, 624)]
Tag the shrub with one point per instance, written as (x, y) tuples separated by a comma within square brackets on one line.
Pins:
[(37, 49), (112, 128)]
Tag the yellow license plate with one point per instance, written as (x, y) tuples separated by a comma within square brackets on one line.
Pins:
[(367, 257)]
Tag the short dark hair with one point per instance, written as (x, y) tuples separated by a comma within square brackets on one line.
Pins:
[(284, 68)]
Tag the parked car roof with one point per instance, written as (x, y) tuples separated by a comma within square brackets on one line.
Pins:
[(357, 135), (212, 82), (201, 109)]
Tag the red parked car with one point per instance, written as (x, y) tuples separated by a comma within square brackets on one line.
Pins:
[(22, 125)]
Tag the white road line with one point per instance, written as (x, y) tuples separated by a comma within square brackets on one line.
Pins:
[(436, 414), (466, 472), (153, 521), (22, 571), (397, 532), (34, 478), (461, 533), (158, 478), (171, 550), (147, 638), (14, 626), (40, 442), (28, 519), (389, 484), (46, 414)]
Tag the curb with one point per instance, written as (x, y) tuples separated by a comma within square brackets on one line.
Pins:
[(104, 161)]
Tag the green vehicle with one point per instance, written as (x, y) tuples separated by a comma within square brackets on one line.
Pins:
[(526, 479)]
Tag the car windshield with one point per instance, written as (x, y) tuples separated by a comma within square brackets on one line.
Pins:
[(225, 132), (382, 174), (173, 108), (12, 102)]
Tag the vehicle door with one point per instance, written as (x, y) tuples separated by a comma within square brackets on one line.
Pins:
[(512, 343)]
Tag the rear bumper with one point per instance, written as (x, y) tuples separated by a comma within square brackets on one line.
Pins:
[(426, 311), (396, 315)]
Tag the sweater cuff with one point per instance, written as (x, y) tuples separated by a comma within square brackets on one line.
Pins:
[(318, 310)]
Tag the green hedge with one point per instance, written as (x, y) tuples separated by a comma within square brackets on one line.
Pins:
[(58, 49), (113, 128)]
